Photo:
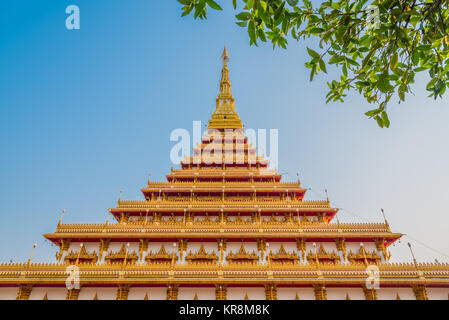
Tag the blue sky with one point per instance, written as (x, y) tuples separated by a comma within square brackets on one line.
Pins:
[(88, 112)]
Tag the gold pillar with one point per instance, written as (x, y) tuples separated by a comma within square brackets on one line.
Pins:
[(143, 246), (73, 294), (420, 292), (270, 292), (221, 291), (172, 292), (182, 246), (301, 246), (341, 246), (122, 292), (104, 246), (320, 292), (63, 246), (24, 291), (370, 294)]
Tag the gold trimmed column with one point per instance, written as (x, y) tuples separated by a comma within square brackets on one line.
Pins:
[(143, 246), (320, 292), (122, 292), (104, 246), (24, 291), (301, 246), (73, 294), (420, 292), (221, 292), (63, 246), (370, 294), (341, 246), (172, 292), (182, 246), (271, 292)]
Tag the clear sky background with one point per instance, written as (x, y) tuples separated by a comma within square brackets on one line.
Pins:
[(88, 112)]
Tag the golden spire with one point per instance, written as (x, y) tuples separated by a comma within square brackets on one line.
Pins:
[(347, 296), (96, 296), (246, 296), (398, 297), (146, 296), (296, 297), (45, 296), (224, 116), (195, 297)]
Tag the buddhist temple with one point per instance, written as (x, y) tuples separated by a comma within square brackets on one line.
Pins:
[(223, 226)]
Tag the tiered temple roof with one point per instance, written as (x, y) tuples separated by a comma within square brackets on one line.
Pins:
[(223, 194)]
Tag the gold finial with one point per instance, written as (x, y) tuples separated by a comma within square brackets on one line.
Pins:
[(45, 296), (146, 296), (31, 255), (327, 195), (246, 296), (96, 296), (120, 196), (347, 296), (62, 216), (398, 297), (196, 297), (224, 116), (413, 255), (225, 56), (296, 297), (149, 177), (383, 214)]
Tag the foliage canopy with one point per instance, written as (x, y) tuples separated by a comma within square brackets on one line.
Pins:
[(378, 47)]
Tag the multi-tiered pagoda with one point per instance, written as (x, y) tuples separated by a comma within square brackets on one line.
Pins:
[(224, 226)]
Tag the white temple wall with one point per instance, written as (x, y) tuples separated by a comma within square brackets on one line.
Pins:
[(288, 246), (88, 293), (289, 293), (238, 293), (438, 293), (157, 293), (38, 293), (116, 246), (195, 246), (90, 247), (138, 293), (186, 293), (8, 293), (234, 246), (355, 246), (390, 293), (340, 293), (156, 246)]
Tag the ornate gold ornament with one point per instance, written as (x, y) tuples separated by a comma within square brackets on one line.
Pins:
[(283, 257), (82, 256), (122, 256), (242, 256), (201, 257), (323, 257), (161, 257)]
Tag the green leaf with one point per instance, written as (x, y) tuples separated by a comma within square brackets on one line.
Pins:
[(252, 32), (322, 65), (380, 122), (313, 53), (293, 3), (213, 5), (394, 61), (385, 120), (243, 16)]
